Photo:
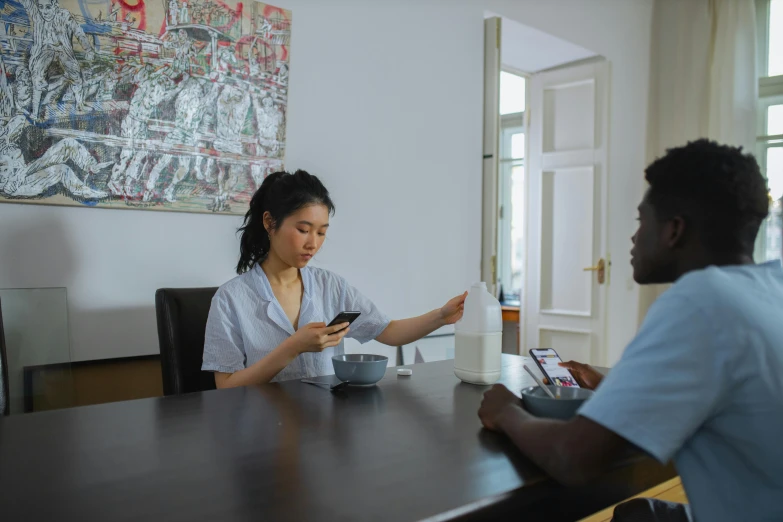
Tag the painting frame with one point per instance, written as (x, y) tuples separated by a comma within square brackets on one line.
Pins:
[(164, 105)]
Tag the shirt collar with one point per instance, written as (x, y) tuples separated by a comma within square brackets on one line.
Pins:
[(275, 310), (265, 287)]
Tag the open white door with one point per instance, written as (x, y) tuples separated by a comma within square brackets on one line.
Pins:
[(567, 268), (489, 199)]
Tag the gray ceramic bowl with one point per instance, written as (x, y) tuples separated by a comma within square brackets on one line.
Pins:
[(360, 369), (537, 402)]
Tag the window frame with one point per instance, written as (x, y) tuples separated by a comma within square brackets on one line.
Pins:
[(510, 124), (770, 93)]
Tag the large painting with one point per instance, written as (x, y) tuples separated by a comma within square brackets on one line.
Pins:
[(152, 104)]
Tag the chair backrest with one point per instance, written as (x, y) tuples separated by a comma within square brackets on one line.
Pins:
[(5, 403), (182, 321)]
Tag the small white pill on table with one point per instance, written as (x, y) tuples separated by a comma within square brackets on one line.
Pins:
[(404, 371)]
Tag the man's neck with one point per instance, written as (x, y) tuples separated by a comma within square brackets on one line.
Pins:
[(702, 261)]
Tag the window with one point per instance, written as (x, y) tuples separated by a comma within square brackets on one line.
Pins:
[(774, 52), (511, 195), (512, 93), (770, 123)]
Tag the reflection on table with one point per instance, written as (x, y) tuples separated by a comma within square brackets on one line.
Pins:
[(409, 448)]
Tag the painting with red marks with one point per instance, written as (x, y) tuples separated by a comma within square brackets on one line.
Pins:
[(173, 105)]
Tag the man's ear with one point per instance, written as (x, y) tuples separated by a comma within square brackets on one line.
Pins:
[(674, 231)]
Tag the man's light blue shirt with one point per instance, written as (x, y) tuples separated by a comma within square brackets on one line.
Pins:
[(702, 383)]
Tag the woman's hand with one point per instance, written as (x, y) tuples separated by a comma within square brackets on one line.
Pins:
[(316, 337), (453, 310), (313, 337), (587, 376), (406, 331)]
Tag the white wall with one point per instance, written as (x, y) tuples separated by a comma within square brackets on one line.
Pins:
[(530, 50), (111, 262), (620, 31), (385, 106)]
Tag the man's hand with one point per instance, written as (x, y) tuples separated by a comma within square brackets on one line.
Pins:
[(587, 376), (497, 401)]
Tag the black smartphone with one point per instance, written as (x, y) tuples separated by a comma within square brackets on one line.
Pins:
[(344, 317), (547, 361)]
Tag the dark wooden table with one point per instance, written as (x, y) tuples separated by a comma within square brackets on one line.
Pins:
[(411, 448)]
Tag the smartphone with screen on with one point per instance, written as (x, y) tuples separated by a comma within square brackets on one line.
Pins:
[(344, 317), (547, 361)]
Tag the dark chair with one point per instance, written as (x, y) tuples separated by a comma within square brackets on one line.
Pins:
[(182, 321), (5, 402)]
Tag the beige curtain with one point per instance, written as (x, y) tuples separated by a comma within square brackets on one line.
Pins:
[(703, 80)]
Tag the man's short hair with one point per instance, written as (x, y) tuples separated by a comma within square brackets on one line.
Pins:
[(717, 189)]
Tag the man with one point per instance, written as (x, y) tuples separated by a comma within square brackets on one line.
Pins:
[(31, 180), (7, 103), (23, 89), (53, 32), (173, 12), (183, 50), (205, 130), (153, 87), (184, 17), (268, 122), (702, 381), (232, 106), (191, 105)]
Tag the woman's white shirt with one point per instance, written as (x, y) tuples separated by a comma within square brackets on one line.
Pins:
[(246, 322)]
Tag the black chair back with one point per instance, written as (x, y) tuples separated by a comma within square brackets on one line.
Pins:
[(182, 321)]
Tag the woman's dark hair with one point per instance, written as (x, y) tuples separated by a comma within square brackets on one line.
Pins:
[(281, 194)]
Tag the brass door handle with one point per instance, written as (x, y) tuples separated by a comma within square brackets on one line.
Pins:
[(600, 267)]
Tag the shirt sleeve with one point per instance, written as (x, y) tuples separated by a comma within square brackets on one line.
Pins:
[(224, 350), (667, 382), (371, 323), (77, 31)]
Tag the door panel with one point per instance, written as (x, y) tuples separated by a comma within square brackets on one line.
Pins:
[(565, 286)]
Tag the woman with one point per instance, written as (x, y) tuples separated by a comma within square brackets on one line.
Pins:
[(269, 324)]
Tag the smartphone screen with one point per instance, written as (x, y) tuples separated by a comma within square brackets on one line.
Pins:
[(344, 317), (547, 359)]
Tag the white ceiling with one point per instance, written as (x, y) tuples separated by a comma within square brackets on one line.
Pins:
[(531, 50)]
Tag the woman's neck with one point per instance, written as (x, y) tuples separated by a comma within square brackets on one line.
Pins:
[(279, 272)]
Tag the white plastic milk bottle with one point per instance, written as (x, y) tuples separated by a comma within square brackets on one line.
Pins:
[(479, 338)]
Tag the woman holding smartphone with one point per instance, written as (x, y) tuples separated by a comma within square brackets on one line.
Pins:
[(269, 323)]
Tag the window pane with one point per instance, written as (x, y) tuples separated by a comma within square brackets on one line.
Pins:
[(517, 228), (518, 145), (775, 120), (774, 236), (774, 229), (775, 172), (512, 93), (776, 38)]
